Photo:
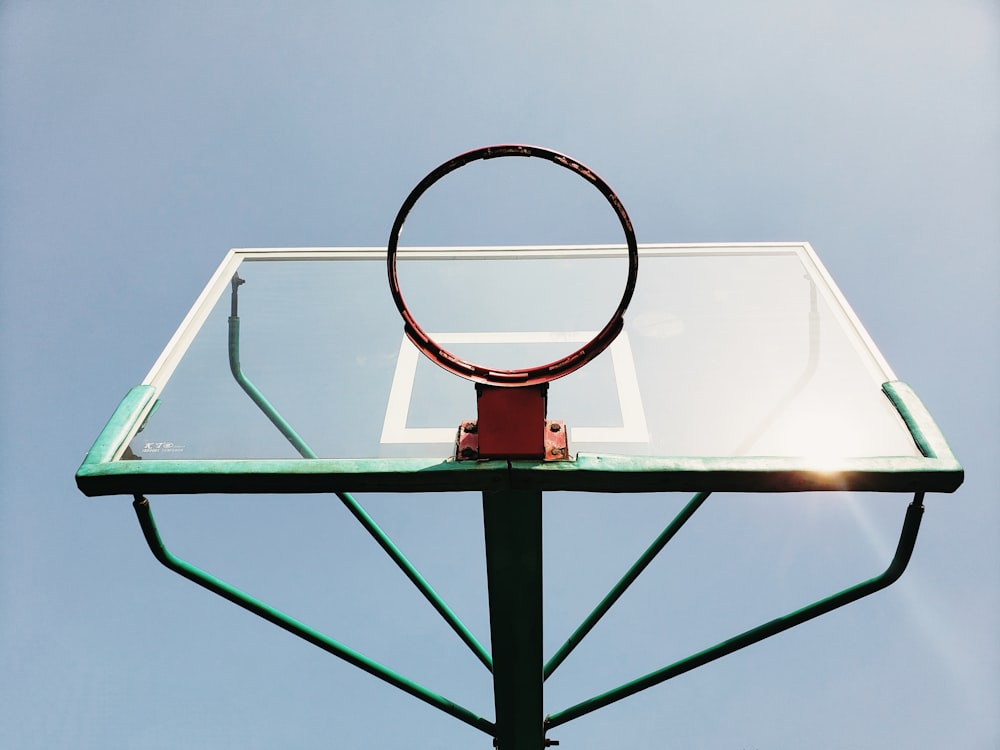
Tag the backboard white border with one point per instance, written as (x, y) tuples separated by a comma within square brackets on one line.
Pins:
[(633, 429)]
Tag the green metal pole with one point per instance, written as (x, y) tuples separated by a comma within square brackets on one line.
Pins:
[(512, 520), (907, 540), (615, 594), (223, 589)]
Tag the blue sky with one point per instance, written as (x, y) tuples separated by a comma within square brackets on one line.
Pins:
[(138, 142)]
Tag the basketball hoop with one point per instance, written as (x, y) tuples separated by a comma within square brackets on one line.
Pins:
[(530, 375)]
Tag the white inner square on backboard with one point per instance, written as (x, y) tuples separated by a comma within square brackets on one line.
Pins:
[(633, 429)]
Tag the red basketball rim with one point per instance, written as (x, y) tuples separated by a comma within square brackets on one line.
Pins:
[(529, 375)]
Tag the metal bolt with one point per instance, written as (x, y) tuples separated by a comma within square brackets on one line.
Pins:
[(555, 427), (469, 453), (470, 427)]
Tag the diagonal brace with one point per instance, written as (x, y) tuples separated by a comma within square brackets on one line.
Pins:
[(627, 580), (352, 505), (904, 548), (216, 586)]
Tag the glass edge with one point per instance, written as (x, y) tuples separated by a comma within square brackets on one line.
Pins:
[(541, 251)]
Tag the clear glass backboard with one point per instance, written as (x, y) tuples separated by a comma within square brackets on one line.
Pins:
[(740, 367)]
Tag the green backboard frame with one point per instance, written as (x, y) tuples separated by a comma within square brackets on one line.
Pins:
[(931, 468)]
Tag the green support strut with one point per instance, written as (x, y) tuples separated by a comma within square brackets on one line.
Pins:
[(276, 617)]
